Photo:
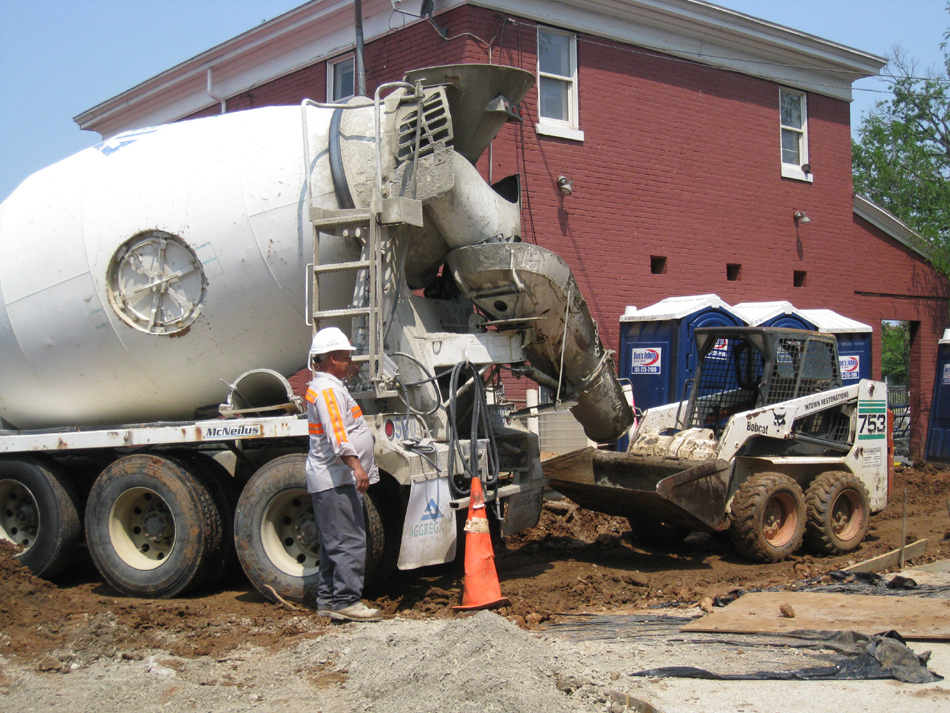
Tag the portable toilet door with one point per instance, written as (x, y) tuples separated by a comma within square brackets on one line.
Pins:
[(854, 342), (658, 354), (773, 314), (938, 430)]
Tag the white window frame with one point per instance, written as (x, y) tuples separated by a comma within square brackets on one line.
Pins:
[(791, 170), (548, 126), (331, 65)]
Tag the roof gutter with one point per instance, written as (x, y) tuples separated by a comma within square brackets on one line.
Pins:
[(891, 225), (222, 100)]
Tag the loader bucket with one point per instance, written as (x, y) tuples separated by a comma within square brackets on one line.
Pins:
[(691, 494)]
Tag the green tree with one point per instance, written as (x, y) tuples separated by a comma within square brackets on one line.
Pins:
[(895, 351), (901, 159)]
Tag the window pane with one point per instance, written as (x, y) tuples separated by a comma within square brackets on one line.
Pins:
[(554, 54), (342, 80), (791, 110), (554, 98), (791, 145)]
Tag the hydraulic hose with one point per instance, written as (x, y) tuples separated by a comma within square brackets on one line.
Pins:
[(480, 423), (429, 379)]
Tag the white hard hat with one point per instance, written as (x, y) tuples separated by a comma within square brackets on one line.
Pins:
[(329, 339)]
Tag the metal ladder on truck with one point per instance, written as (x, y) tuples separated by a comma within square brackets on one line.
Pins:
[(351, 224), (365, 227)]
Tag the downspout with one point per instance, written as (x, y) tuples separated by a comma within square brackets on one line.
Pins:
[(360, 69), (224, 102)]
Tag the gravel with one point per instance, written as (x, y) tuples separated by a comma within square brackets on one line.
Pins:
[(473, 663)]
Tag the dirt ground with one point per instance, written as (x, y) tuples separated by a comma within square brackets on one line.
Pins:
[(574, 561)]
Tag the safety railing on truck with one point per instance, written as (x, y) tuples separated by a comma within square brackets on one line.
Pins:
[(363, 226)]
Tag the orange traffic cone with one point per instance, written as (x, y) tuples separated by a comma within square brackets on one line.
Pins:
[(481, 589)]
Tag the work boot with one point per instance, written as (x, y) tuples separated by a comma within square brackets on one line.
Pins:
[(332, 614), (359, 612)]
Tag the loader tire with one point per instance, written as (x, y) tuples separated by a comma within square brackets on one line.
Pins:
[(768, 517), (276, 535), (153, 526), (39, 513), (838, 511)]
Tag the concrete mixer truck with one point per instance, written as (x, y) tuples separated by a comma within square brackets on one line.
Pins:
[(157, 290)]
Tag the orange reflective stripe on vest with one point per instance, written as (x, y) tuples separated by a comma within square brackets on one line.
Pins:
[(336, 418)]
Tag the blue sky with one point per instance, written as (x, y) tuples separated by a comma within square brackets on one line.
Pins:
[(61, 57)]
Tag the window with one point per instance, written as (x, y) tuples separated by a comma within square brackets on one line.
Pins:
[(341, 74), (557, 85), (798, 278), (733, 271), (793, 110), (657, 264)]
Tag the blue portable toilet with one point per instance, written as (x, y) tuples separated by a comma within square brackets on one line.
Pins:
[(938, 430), (854, 342), (657, 350), (773, 314)]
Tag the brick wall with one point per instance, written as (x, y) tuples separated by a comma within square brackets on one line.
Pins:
[(682, 161)]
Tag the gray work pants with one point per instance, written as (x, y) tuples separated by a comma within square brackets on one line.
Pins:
[(339, 516)]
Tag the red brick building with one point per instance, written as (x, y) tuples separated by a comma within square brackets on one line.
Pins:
[(690, 135)]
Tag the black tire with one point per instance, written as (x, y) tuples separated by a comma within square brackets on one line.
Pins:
[(768, 517), (380, 564), (657, 534), (223, 560), (39, 513), (152, 526), (838, 512), (276, 536)]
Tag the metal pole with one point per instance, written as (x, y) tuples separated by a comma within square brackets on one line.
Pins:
[(360, 69), (903, 531)]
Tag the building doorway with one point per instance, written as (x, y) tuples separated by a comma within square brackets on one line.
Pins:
[(896, 340)]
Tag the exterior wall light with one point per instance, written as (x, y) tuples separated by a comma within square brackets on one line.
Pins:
[(564, 185)]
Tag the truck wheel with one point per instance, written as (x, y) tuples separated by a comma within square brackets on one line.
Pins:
[(768, 517), (39, 514), (838, 511), (657, 534), (152, 526), (276, 534), (223, 561)]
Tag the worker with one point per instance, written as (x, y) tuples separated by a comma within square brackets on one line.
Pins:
[(340, 469)]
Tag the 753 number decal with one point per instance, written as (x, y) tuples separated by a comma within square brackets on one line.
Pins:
[(872, 423)]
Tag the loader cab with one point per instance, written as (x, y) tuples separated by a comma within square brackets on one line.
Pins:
[(744, 368)]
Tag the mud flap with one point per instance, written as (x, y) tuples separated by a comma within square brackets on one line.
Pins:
[(429, 533), (523, 511)]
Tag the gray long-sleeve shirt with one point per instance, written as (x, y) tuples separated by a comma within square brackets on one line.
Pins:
[(337, 429)]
